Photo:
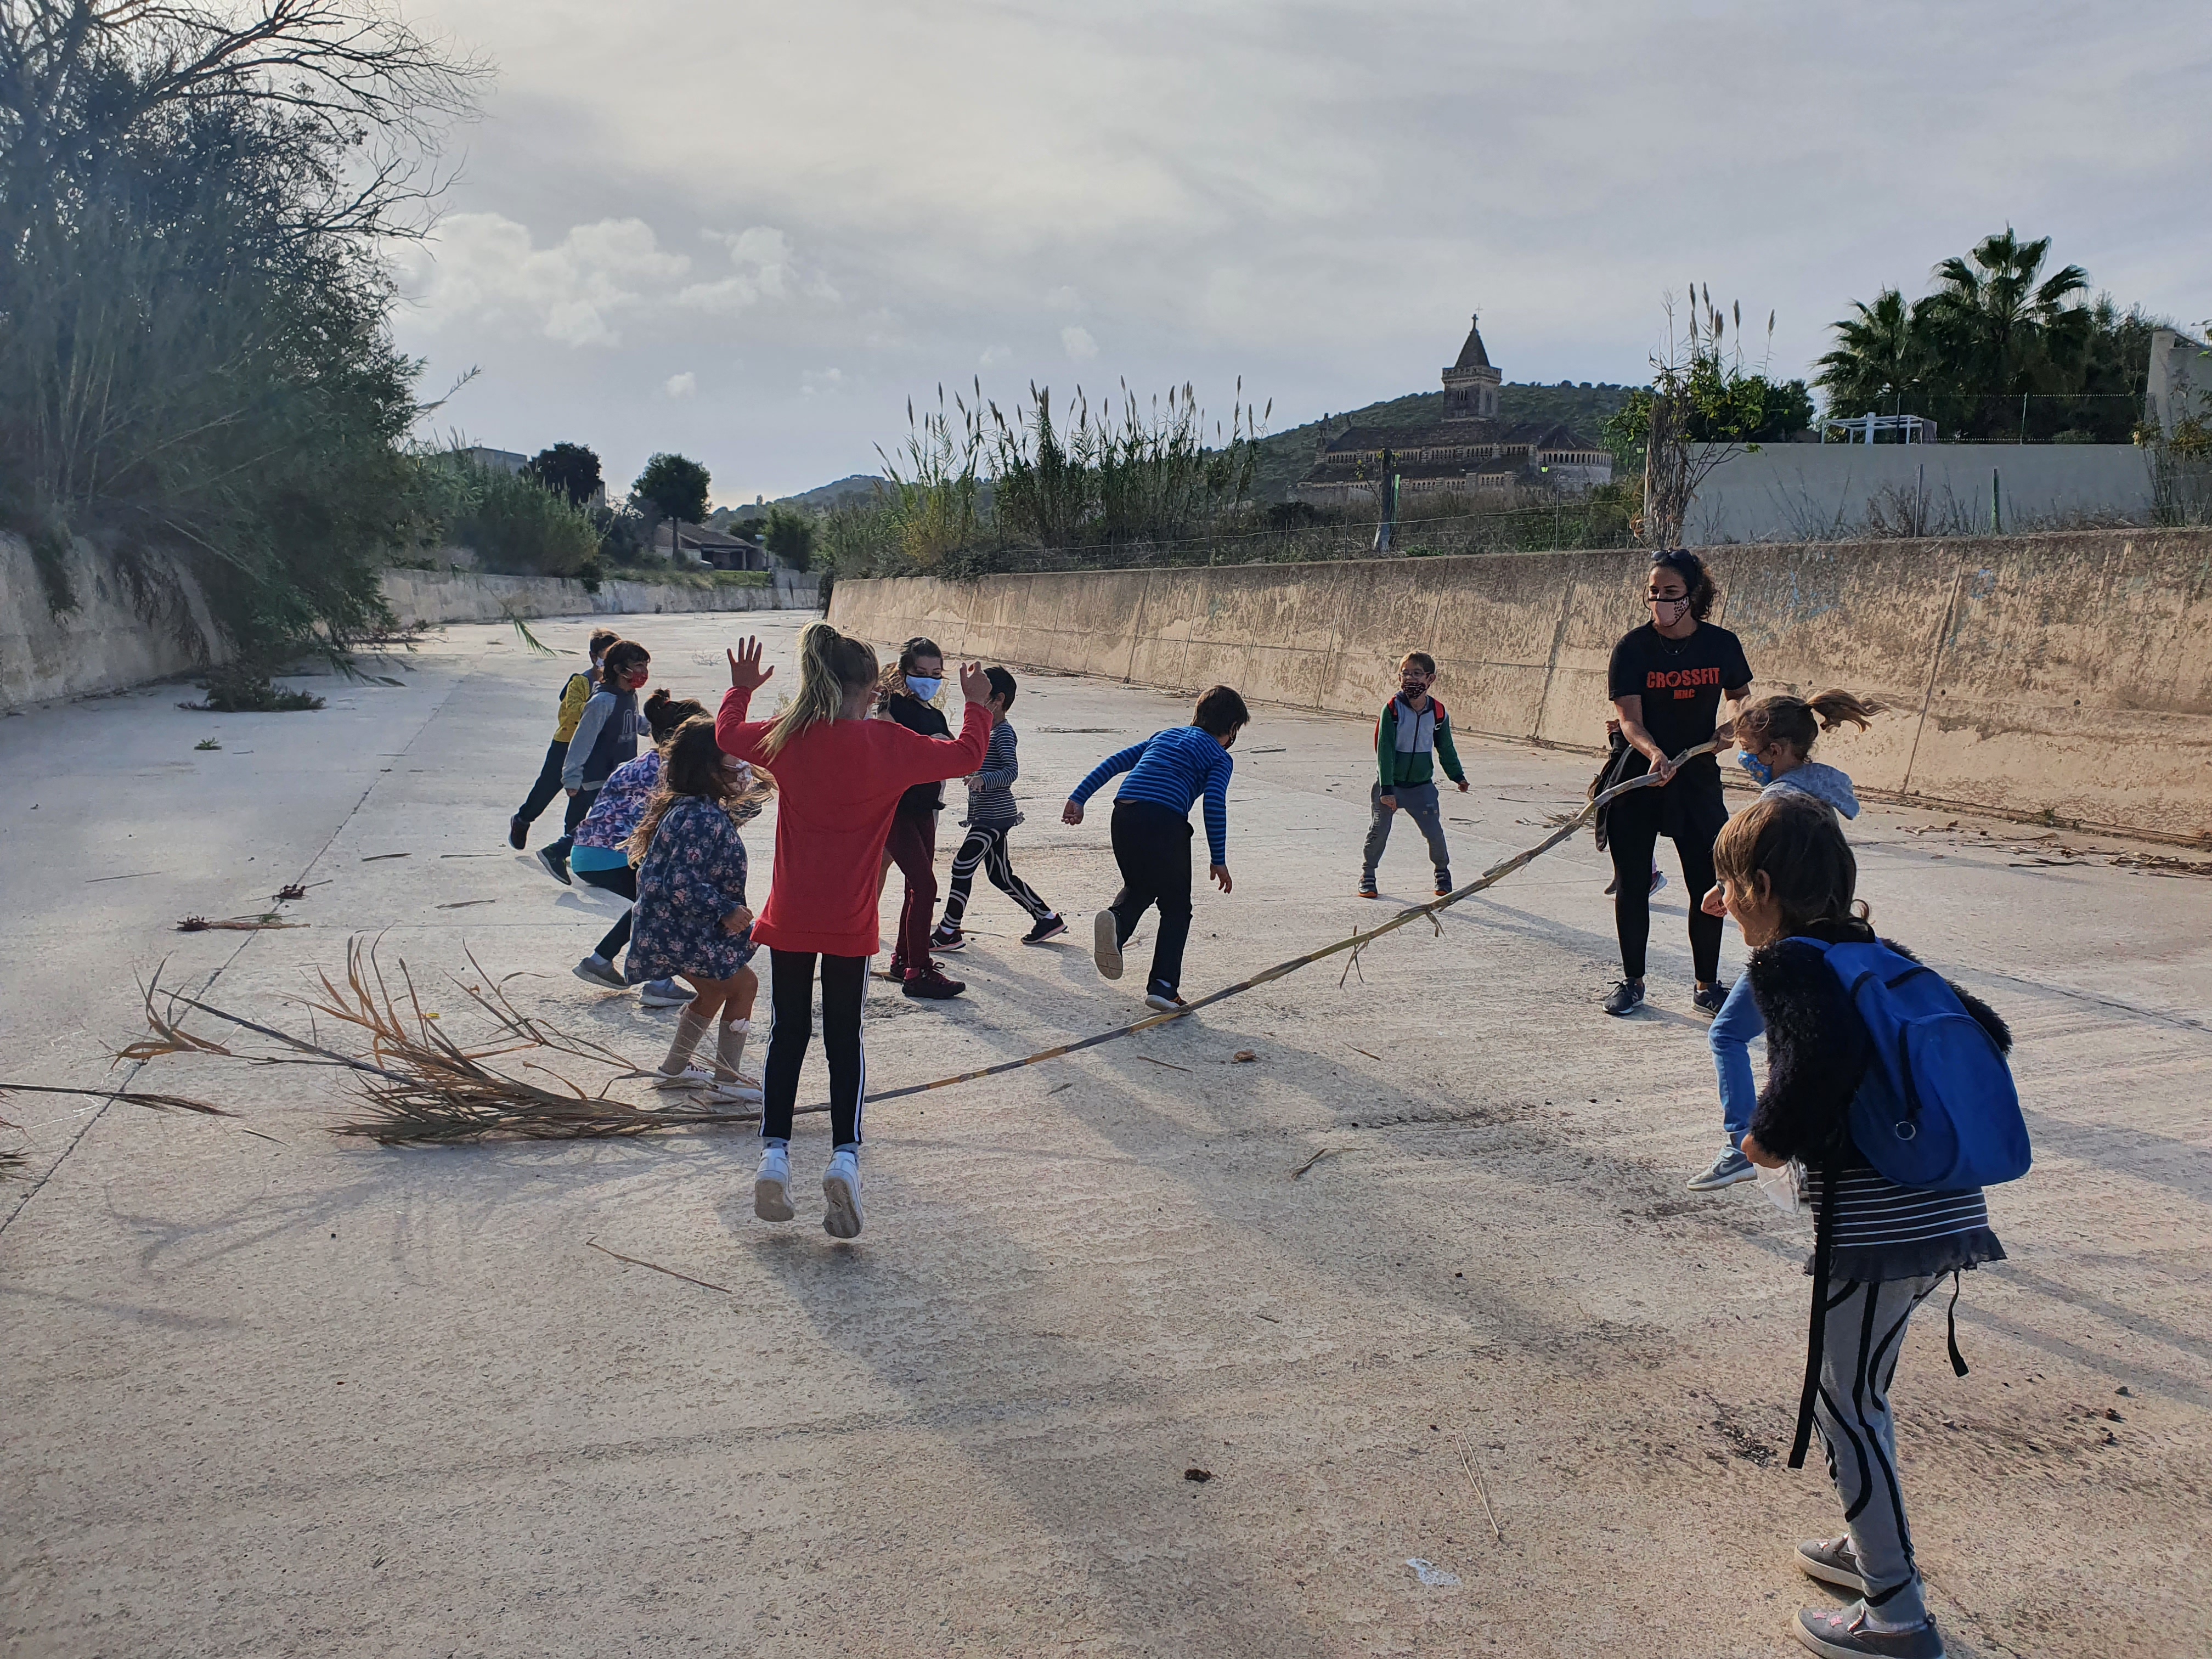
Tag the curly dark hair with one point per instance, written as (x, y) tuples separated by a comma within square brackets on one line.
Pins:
[(1692, 570)]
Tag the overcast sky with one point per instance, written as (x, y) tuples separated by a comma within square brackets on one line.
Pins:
[(750, 232)]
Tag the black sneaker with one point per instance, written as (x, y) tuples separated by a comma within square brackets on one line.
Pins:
[(1444, 884), (1708, 998), (1051, 927), (948, 939), (518, 833), (1625, 996), (1366, 889), (556, 866), (1844, 1633), (932, 984)]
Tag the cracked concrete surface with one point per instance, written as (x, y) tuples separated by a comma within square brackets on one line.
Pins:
[(300, 1396)]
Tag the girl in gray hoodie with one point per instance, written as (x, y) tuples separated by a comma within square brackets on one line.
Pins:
[(1775, 736)]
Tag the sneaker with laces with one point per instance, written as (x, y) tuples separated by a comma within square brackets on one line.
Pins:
[(556, 866), (1847, 1633), (1707, 999), (841, 1186), (1730, 1167), (932, 983), (895, 970), (663, 994), (1624, 997), (518, 833), (772, 1186), (733, 1091), (1106, 944), (1163, 1000), (691, 1077), (948, 939), (1830, 1560), (1051, 927), (596, 970)]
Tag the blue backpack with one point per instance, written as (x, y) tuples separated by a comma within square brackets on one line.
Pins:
[(1937, 1110)]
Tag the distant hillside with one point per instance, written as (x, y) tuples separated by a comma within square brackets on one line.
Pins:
[(1285, 456), (859, 487)]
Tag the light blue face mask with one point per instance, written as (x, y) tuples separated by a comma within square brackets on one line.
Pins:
[(1757, 768), (926, 690)]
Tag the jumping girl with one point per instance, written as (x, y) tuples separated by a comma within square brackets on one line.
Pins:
[(692, 918), (1667, 680), (909, 696), (606, 736), (1787, 876), (575, 692), (839, 775), (600, 856), (1775, 734)]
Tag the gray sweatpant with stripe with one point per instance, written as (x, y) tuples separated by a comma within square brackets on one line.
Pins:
[(1865, 1332)]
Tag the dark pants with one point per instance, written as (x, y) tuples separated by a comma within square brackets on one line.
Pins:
[(912, 847), (548, 785), (579, 804), (986, 845), (791, 1001), (1633, 824), (623, 884), (1151, 845), (1417, 801)]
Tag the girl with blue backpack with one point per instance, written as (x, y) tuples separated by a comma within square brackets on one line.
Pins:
[(1890, 1088)]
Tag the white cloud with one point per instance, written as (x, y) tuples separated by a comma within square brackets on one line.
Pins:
[(1078, 344), (485, 268), (816, 381), (1063, 300), (765, 270), (994, 356), (681, 386)]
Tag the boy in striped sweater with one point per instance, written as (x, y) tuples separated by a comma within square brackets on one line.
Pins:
[(1414, 733), (991, 814), (1168, 771)]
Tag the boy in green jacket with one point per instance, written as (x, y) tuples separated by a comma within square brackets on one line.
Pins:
[(1413, 732)]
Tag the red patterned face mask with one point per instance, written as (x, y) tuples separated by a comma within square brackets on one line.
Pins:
[(1667, 612)]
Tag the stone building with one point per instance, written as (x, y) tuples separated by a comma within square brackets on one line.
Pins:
[(1470, 452)]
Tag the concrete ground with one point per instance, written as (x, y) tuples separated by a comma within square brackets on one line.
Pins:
[(267, 1391)]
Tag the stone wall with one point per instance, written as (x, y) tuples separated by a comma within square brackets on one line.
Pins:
[(123, 633), (2066, 673)]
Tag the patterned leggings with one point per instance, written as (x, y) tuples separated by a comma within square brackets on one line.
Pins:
[(986, 845)]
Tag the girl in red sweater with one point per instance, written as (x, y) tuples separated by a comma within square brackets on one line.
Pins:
[(839, 776)]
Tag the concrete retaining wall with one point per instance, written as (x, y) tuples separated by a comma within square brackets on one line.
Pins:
[(118, 636), (2070, 673), (1818, 492)]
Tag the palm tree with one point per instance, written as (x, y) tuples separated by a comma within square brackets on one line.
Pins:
[(1996, 332), (1879, 364)]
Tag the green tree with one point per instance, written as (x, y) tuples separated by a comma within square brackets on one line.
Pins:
[(571, 469), (1878, 364), (790, 537), (2002, 330), (675, 486)]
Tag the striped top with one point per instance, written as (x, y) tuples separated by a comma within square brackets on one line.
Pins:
[(991, 801), (1885, 1231), (1171, 770)]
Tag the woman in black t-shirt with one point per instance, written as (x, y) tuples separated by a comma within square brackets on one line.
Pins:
[(1667, 681)]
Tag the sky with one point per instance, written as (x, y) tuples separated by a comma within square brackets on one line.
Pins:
[(750, 233)]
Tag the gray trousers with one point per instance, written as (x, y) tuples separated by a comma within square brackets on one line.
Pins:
[(1865, 1332), (1418, 802)]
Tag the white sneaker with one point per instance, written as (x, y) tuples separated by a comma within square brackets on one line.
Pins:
[(1105, 949), (840, 1185), (772, 1186), (691, 1077), (736, 1092)]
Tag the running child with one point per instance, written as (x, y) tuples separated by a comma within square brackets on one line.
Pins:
[(907, 695), (1413, 732), (692, 917), (991, 814), (839, 775), (1787, 876), (600, 856), (574, 695), (606, 735), (1151, 830), (1775, 734)]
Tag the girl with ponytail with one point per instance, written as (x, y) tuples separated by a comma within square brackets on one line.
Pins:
[(840, 776), (1775, 735)]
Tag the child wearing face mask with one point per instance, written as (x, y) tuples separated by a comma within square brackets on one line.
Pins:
[(575, 692), (606, 736), (1412, 735), (1775, 735), (909, 697)]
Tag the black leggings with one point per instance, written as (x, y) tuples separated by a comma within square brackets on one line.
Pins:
[(986, 845), (1633, 825), (623, 883), (791, 1000)]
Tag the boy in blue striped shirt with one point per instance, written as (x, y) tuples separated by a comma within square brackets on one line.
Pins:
[(1168, 771)]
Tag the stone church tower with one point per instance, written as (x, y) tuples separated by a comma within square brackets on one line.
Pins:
[(1471, 384)]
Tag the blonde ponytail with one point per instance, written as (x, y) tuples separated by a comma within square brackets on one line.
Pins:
[(1834, 708), (1792, 721), (829, 662)]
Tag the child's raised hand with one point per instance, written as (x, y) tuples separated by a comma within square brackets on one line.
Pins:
[(746, 673), (975, 684)]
